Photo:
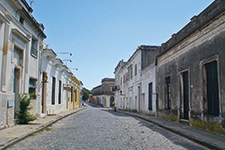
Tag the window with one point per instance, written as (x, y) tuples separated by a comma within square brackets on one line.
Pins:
[(130, 72), (33, 49), (60, 89), (167, 93), (21, 20), (32, 88), (126, 76), (211, 86), (71, 93), (135, 70), (53, 90), (75, 95), (113, 88), (150, 96)]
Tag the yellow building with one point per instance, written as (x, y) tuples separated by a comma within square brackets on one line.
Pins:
[(75, 93)]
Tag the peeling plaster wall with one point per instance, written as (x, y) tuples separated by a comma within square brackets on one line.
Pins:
[(202, 46)]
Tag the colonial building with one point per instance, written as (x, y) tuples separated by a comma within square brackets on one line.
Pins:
[(56, 78), (103, 94), (191, 70), (29, 67), (21, 44), (75, 93), (135, 81)]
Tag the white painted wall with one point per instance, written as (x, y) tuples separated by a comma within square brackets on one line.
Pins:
[(27, 65), (53, 71), (135, 91), (148, 76)]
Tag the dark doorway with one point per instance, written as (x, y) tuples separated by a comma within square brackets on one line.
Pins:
[(60, 89), (53, 90), (168, 90), (186, 95), (16, 87), (212, 88), (150, 96)]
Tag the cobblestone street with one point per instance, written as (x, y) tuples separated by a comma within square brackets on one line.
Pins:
[(99, 128)]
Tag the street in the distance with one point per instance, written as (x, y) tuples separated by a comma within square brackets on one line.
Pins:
[(99, 128)]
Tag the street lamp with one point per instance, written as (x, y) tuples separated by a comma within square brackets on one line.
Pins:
[(67, 60), (74, 68), (64, 53)]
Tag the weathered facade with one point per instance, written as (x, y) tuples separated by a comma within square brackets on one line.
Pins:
[(103, 94), (191, 70), (148, 81), (20, 48), (134, 81)]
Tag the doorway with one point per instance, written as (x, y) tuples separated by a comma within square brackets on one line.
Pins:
[(185, 95), (44, 82), (212, 89), (150, 96), (16, 89)]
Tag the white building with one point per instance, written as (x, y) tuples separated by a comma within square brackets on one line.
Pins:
[(56, 78), (21, 44), (132, 81)]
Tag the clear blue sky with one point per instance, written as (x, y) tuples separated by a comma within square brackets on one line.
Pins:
[(100, 33)]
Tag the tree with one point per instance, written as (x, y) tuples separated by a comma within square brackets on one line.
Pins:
[(86, 94), (24, 114)]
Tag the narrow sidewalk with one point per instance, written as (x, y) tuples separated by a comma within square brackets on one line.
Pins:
[(12, 135), (208, 139)]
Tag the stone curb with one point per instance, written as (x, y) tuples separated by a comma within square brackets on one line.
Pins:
[(38, 130), (208, 145)]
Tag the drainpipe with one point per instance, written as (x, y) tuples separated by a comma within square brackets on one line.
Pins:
[(156, 86), (6, 118)]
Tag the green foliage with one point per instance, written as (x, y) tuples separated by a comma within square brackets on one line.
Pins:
[(86, 94), (24, 115), (86, 90)]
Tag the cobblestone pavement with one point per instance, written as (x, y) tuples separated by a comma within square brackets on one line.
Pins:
[(99, 128)]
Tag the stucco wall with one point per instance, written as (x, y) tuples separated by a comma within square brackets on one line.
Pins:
[(148, 76), (203, 46)]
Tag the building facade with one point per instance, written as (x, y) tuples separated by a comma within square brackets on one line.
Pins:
[(29, 67), (55, 85), (191, 70), (103, 95), (134, 81), (20, 48), (75, 93)]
